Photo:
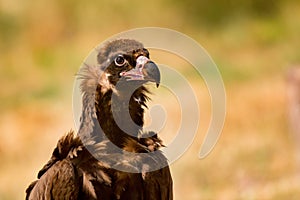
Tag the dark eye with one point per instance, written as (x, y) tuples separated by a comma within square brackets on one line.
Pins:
[(120, 60)]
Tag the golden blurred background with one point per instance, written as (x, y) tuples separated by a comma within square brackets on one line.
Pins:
[(253, 42)]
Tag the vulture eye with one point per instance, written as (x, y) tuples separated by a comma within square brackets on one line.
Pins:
[(120, 60)]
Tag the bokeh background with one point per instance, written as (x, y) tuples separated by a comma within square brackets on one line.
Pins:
[(253, 42)]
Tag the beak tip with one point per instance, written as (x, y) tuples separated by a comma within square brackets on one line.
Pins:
[(152, 72)]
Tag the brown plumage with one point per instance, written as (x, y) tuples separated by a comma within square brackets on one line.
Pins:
[(110, 157)]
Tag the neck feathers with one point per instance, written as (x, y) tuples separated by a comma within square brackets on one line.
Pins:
[(108, 112), (121, 117)]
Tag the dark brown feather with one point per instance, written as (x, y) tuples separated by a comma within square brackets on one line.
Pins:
[(84, 166)]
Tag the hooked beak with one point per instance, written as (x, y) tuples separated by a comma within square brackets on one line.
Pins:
[(145, 70)]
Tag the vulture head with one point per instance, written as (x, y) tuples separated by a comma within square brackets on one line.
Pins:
[(125, 64), (128, 65)]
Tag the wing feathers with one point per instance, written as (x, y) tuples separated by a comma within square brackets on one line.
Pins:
[(72, 173)]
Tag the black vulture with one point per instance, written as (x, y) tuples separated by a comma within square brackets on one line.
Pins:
[(111, 156)]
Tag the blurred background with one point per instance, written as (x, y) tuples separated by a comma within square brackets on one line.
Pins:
[(253, 42)]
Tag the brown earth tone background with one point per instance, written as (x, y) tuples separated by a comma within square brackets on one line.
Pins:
[(254, 43)]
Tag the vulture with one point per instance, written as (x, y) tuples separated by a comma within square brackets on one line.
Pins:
[(111, 156)]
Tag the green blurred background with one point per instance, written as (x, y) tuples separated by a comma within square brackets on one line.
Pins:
[(253, 42)]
